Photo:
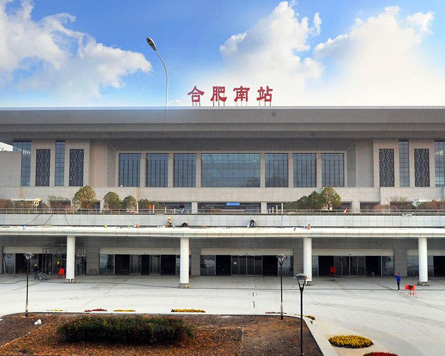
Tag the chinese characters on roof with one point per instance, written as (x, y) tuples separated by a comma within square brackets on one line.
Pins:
[(241, 95)]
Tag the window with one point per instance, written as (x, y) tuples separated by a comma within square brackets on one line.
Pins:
[(129, 169), (184, 170), (277, 170), (439, 160), (59, 178), (422, 167), (404, 163), (25, 148), (230, 170), (305, 170), (157, 169), (333, 169), (386, 167), (76, 168), (43, 162)]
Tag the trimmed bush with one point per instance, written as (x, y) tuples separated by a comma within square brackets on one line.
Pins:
[(126, 330), (350, 341)]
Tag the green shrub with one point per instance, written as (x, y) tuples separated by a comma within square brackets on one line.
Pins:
[(126, 330)]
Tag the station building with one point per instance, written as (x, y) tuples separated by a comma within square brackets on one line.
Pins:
[(227, 166)]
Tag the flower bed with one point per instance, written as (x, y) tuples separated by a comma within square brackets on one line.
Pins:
[(95, 310), (350, 341), (380, 354), (188, 311), (124, 310)]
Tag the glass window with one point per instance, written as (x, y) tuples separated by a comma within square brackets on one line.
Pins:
[(305, 170), (157, 169), (184, 170), (129, 169), (76, 168), (422, 167), (43, 162), (276, 170), (230, 170), (439, 161), (333, 169), (59, 178), (404, 163), (386, 167), (25, 148)]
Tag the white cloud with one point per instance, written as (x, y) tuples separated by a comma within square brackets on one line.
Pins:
[(51, 57)]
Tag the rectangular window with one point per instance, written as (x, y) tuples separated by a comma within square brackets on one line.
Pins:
[(157, 169), (230, 170), (43, 162), (439, 162), (277, 170), (59, 177), (184, 170), (422, 167), (76, 167), (305, 170), (129, 169), (25, 148), (333, 174), (404, 163), (386, 167)]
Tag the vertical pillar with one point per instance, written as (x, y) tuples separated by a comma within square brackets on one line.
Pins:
[(1, 260), (401, 257), (198, 170), (184, 263), (194, 207), (92, 260), (307, 259), (423, 262), (196, 258), (262, 170), (264, 207), (70, 257), (319, 168)]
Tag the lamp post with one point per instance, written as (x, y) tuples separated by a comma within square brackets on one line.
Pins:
[(152, 44), (281, 259), (28, 256), (301, 279)]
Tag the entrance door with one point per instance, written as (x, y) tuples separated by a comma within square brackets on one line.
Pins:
[(270, 266), (439, 266), (135, 264), (324, 265), (145, 265), (373, 266), (223, 264), (168, 265), (122, 264), (155, 264)]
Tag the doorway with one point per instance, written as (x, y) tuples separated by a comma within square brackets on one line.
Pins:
[(324, 265), (223, 264), (122, 264), (439, 266), (270, 266)]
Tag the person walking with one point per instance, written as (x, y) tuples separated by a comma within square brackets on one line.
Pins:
[(398, 280), (36, 271)]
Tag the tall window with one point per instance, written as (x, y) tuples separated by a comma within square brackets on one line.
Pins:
[(184, 170), (43, 162), (277, 170), (305, 170), (404, 163), (230, 170), (59, 177), (422, 167), (439, 160), (386, 167), (333, 174), (76, 168), (129, 169), (25, 148), (157, 169)]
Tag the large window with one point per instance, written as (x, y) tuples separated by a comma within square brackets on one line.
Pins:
[(76, 168), (59, 178), (404, 163), (305, 170), (439, 160), (230, 170), (157, 170), (129, 169), (386, 167), (25, 148), (333, 169), (43, 162), (185, 170), (422, 167), (277, 170)]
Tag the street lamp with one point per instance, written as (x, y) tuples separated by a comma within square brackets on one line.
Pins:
[(281, 259), (28, 256), (152, 44), (301, 279)]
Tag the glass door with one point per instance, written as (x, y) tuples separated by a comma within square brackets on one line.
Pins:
[(155, 264), (135, 264)]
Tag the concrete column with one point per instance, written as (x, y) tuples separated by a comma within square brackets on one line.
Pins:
[(319, 173), (70, 257), (307, 259), (298, 258), (198, 170), (262, 170), (290, 165), (355, 206), (264, 207), (401, 258), (194, 207), (184, 264), (1, 260), (92, 260), (143, 172), (170, 170), (423, 261)]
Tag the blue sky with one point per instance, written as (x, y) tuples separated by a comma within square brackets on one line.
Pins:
[(311, 52)]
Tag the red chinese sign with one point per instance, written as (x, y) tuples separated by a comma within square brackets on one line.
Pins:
[(265, 95), (196, 96), (241, 95), (218, 97)]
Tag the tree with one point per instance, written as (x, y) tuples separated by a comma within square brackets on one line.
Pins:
[(85, 198), (330, 198), (112, 201), (129, 202)]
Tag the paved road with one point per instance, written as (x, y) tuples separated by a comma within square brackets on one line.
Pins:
[(372, 307)]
